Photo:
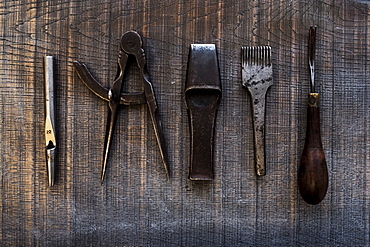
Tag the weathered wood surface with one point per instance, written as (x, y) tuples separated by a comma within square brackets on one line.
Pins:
[(137, 206)]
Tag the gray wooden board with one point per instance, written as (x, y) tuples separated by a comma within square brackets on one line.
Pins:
[(137, 206)]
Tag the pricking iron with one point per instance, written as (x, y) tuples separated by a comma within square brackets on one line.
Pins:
[(257, 78), (202, 96)]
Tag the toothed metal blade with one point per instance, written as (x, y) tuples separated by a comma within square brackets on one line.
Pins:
[(257, 78)]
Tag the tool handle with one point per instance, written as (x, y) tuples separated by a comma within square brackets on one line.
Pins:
[(202, 108), (258, 102), (312, 171)]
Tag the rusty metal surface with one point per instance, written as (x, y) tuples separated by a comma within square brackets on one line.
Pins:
[(131, 44), (202, 97), (257, 78)]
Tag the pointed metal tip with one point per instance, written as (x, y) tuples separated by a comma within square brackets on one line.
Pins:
[(102, 177), (51, 172), (168, 175), (51, 179), (166, 166), (51, 183)]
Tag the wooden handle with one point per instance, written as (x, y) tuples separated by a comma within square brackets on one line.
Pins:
[(312, 171)]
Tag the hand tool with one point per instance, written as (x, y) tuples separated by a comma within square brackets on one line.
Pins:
[(131, 44), (312, 171), (257, 78), (202, 97), (51, 143)]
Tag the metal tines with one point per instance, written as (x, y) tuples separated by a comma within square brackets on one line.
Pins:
[(50, 119), (257, 78)]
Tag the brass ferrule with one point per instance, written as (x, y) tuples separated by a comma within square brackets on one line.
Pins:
[(313, 99)]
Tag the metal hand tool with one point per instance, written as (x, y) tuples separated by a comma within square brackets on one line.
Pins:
[(131, 44), (202, 97), (257, 78), (313, 172), (50, 119)]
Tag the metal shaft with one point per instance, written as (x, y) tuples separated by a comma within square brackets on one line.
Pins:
[(311, 56), (50, 142)]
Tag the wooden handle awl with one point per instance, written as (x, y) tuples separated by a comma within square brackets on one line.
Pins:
[(313, 172)]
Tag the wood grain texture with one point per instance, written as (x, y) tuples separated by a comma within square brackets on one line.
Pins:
[(137, 206)]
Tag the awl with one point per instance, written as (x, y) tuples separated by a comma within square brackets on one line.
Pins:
[(312, 172)]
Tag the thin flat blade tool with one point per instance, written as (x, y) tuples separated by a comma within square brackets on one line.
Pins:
[(50, 119)]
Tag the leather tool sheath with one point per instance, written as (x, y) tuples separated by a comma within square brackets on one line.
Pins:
[(202, 96)]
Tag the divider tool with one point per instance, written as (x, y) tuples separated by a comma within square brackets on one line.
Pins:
[(131, 45)]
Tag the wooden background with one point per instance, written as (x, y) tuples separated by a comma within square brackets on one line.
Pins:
[(137, 206)]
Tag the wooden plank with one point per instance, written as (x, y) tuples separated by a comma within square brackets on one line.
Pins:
[(137, 206)]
